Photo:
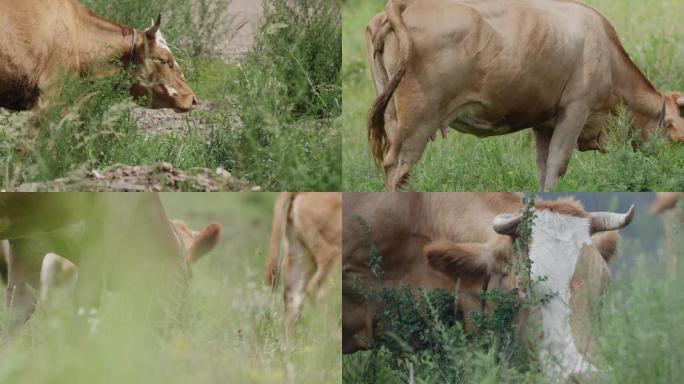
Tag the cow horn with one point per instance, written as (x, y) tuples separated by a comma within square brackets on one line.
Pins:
[(155, 25), (680, 101), (506, 223), (608, 221)]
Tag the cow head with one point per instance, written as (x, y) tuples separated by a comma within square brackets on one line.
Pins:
[(568, 249), (673, 124), (158, 74)]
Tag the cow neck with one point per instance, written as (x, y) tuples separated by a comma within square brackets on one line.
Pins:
[(555, 249), (101, 39), (639, 95)]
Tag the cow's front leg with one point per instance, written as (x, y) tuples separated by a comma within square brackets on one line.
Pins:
[(23, 280), (563, 142), (542, 138)]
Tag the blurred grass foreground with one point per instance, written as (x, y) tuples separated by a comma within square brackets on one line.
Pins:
[(226, 326)]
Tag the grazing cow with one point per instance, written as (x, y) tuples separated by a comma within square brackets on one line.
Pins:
[(41, 38), (57, 271), (464, 241), (493, 67), (673, 222), (127, 241), (310, 224)]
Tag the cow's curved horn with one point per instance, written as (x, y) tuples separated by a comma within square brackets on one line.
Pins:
[(155, 25), (506, 223), (680, 101), (609, 221)]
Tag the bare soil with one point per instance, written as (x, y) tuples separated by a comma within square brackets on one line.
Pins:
[(161, 177)]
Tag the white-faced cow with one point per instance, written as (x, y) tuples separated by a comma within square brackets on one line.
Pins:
[(464, 242), (127, 242), (493, 67), (41, 38), (310, 224)]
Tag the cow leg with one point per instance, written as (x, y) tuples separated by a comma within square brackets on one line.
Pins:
[(298, 268), (563, 142), (407, 147), (542, 140), (324, 256), (23, 280)]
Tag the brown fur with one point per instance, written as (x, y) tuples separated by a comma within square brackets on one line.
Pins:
[(566, 115), (281, 212), (197, 244), (432, 240), (311, 226), (665, 201), (37, 224), (459, 261), (40, 40)]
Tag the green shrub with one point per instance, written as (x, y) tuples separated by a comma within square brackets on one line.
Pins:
[(422, 335), (195, 27)]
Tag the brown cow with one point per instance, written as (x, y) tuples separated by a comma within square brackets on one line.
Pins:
[(57, 271), (493, 67), (130, 245), (464, 241), (42, 37), (310, 224), (664, 205)]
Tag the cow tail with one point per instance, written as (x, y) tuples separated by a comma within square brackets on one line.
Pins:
[(377, 136), (280, 216)]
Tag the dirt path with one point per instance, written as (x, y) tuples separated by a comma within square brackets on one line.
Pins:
[(162, 177)]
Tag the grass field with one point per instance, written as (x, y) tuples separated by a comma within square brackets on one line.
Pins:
[(637, 328), (265, 120), (651, 33), (230, 330)]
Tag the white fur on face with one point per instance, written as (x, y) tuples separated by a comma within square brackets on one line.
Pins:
[(555, 249), (161, 42), (171, 90)]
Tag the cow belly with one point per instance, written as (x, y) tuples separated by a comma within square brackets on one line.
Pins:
[(470, 119)]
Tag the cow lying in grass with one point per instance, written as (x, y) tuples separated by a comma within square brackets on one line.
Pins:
[(127, 243), (494, 67), (57, 271), (40, 38), (463, 242), (310, 224)]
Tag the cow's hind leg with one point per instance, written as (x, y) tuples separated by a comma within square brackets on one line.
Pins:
[(298, 268), (407, 146), (325, 256), (563, 142), (23, 280)]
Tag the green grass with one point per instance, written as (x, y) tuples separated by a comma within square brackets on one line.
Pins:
[(651, 33), (229, 331), (272, 119)]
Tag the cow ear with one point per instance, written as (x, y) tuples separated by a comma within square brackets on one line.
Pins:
[(152, 31), (204, 242), (467, 261), (606, 243)]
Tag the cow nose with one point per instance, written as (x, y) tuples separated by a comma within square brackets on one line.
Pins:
[(194, 101)]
